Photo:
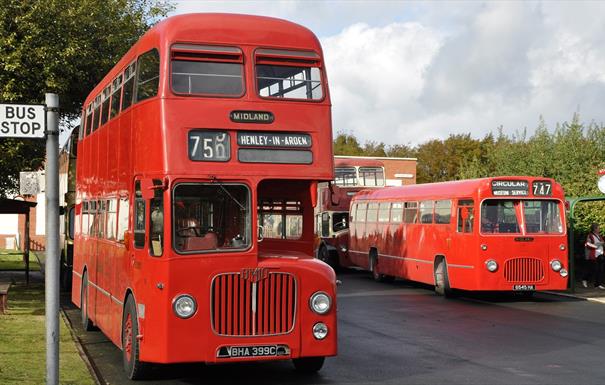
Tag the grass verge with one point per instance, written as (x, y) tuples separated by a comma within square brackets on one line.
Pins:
[(23, 342), (13, 260)]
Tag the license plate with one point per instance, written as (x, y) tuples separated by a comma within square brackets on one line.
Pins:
[(253, 351), (524, 287)]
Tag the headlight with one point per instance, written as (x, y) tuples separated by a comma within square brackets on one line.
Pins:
[(563, 273), (491, 265), (555, 264), (320, 302), (184, 306), (320, 330)]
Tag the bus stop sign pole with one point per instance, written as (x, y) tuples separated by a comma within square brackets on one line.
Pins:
[(51, 276)]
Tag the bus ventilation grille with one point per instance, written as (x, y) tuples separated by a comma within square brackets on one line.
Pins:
[(524, 270), (244, 308)]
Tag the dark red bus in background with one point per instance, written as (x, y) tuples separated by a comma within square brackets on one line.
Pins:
[(198, 162), (351, 175), (501, 234)]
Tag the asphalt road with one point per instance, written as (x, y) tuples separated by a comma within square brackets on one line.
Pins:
[(401, 333)]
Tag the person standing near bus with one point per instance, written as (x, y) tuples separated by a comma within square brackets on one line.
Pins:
[(595, 261)]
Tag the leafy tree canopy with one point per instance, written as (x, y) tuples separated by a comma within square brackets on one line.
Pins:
[(64, 47)]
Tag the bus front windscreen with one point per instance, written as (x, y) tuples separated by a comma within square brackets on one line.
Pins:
[(542, 217), (210, 217), (503, 216)]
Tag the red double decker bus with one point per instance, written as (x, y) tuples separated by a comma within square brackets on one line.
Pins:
[(500, 234), (197, 172), (332, 212)]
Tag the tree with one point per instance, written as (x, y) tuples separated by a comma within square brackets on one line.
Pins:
[(64, 47), (347, 144)]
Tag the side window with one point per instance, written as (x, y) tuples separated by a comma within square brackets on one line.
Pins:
[(85, 218), (410, 212), (88, 120), (105, 105), (372, 215), (148, 75), (92, 218), (361, 212), (101, 211), (128, 86), (156, 216), (426, 211), (116, 93), (139, 216), (396, 212), (466, 215), (97, 114), (112, 211), (123, 213), (443, 211), (383, 212), (325, 224)]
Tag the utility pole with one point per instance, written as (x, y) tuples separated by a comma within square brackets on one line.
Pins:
[(52, 239)]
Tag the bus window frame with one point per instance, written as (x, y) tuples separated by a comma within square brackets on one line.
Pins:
[(282, 58), (242, 61)]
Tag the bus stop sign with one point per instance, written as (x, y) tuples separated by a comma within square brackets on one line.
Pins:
[(22, 120)]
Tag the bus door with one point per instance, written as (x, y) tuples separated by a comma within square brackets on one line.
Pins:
[(464, 250)]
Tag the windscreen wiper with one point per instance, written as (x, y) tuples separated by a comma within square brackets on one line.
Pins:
[(220, 184)]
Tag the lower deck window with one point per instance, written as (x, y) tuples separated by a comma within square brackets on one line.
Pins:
[(209, 217)]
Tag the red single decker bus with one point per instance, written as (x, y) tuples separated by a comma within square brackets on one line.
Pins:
[(500, 234), (199, 159), (332, 212)]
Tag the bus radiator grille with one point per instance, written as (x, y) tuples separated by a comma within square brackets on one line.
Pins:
[(524, 270), (243, 307)]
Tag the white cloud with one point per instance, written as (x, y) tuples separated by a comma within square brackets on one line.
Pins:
[(377, 74)]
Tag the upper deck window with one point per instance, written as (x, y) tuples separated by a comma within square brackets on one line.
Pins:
[(371, 176), (345, 176), (288, 74), (148, 75), (207, 70)]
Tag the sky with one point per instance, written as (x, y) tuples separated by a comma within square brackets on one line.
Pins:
[(405, 72)]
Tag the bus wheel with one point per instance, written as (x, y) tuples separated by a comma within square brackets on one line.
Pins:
[(86, 322), (324, 255), (442, 282), (135, 369), (308, 364), (378, 277)]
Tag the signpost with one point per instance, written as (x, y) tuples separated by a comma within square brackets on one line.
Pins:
[(22, 120), (37, 121)]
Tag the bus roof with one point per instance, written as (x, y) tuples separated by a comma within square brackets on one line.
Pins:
[(215, 28), (453, 189)]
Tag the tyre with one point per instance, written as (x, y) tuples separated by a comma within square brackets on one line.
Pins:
[(86, 322), (378, 277), (308, 364), (134, 368), (442, 282), (326, 256)]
